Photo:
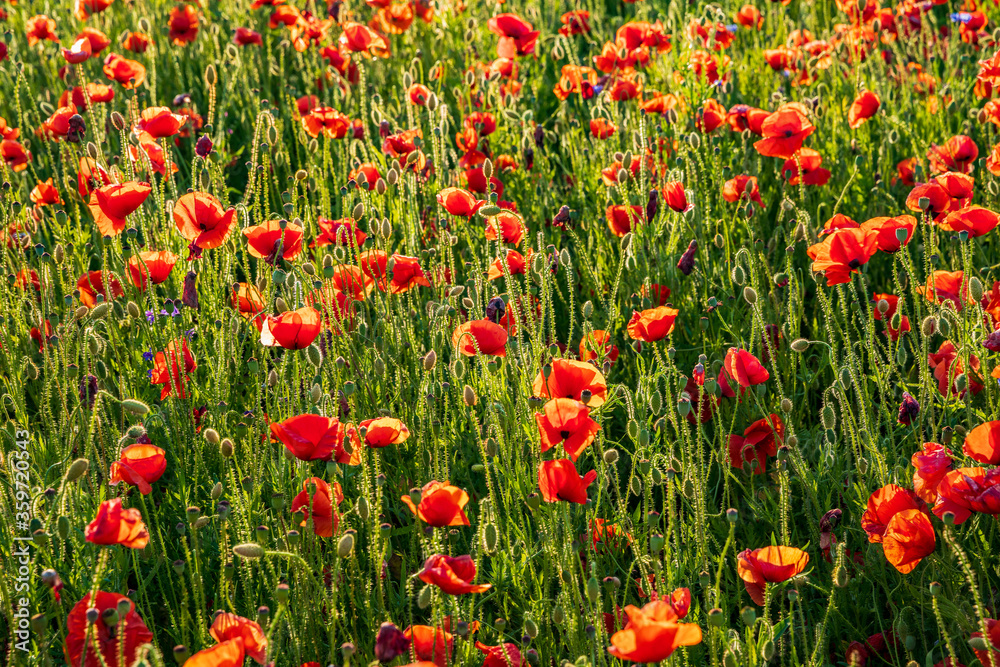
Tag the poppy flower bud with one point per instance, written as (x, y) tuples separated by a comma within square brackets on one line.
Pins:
[(424, 597), (737, 275), (767, 650), (975, 288), (118, 121), (944, 326), (226, 448), (490, 538), (729, 659), (430, 359), (272, 378), (929, 326), (558, 615), (750, 295), (610, 456), (626, 242), (345, 547), (211, 77), (469, 396), (249, 550), (77, 469)]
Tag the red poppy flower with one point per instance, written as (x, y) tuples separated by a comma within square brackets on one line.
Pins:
[(81, 98), (517, 36), (967, 490), (983, 443), (947, 366), (316, 438), (92, 283), (675, 197), (14, 155), (40, 28), (228, 626), (136, 42), (773, 565), (745, 368), (569, 378), (246, 37), (932, 463), (116, 525), (865, 106), (247, 300), (395, 19), (453, 575), (652, 325), (566, 421), (45, 193), (128, 73), (264, 240), (909, 537), (504, 655), (959, 154), (200, 219), (887, 316), (459, 202), (152, 265), (885, 230), (440, 505), (749, 17), (103, 642), (78, 52), (559, 480), (406, 271), (516, 265), (229, 653), (652, 633), (812, 171), (598, 342), (841, 253), (57, 125), (757, 443), (883, 505), (292, 330), (160, 122), (326, 121), (339, 232), (384, 431), (621, 218), (783, 132), (359, 38), (139, 465), (742, 187), (321, 506), (946, 286), (480, 337), (989, 656), (183, 24), (601, 128), (171, 368), (111, 204), (974, 220), (506, 226), (434, 645)]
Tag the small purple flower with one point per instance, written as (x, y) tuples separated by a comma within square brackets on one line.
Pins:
[(653, 205), (147, 356), (390, 643), (88, 390), (495, 310), (204, 146), (908, 409), (686, 263), (77, 128), (992, 341), (182, 99), (190, 296), (150, 316)]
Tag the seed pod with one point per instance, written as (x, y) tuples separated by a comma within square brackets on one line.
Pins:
[(249, 550), (716, 618), (345, 547)]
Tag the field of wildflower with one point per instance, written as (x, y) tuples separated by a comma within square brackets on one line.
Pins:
[(528, 333)]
